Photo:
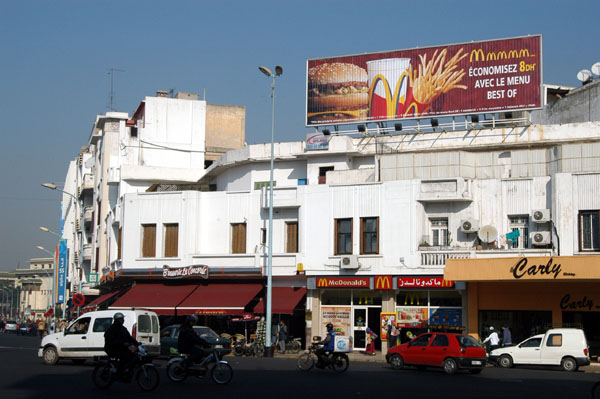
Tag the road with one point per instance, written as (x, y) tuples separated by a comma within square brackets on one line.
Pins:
[(23, 375)]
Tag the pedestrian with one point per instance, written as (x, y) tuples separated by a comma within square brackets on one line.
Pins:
[(493, 339), (392, 333), (371, 337), (41, 327), (506, 336), (274, 334), (52, 326), (282, 336)]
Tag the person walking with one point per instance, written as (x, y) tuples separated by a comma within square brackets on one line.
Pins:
[(506, 336), (371, 337), (392, 333), (282, 336), (493, 339)]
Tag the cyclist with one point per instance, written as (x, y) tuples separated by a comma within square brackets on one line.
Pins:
[(119, 344), (189, 342), (328, 345)]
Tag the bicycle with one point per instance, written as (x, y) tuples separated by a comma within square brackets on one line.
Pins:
[(242, 347), (293, 345), (337, 361), (180, 367), (142, 369)]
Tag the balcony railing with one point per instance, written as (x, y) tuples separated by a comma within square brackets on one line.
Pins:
[(438, 257)]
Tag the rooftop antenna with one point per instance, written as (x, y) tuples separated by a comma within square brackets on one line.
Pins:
[(111, 73), (596, 69), (584, 76)]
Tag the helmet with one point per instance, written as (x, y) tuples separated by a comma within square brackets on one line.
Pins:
[(118, 315), (191, 319), (329, 326)]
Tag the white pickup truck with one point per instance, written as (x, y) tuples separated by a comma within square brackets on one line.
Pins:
[(564, 347)]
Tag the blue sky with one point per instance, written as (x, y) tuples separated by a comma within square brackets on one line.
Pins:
[(55, 57)]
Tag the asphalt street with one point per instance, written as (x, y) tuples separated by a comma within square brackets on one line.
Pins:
[(23, 375)]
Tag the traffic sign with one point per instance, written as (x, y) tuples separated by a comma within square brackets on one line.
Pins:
[(78, 299)]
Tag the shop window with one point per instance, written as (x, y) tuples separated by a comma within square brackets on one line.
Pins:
[(412, 298), (148, 240), (343, 236), (291, 245), (445, 298), (369, 235), (589, 230), (336, 297), (554, 340), (238, 238), (439, 231), (171, 240), (520, 223)]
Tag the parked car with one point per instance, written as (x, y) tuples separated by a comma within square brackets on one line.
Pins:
[(565, 347), (449, 351), (10, 326), (84, 338), (169, 336)]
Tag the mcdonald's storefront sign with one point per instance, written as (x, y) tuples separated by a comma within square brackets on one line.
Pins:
[(343, 282), (383, 283), (424, 282)]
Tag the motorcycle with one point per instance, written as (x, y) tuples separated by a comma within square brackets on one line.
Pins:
[(241, 347), (142, 369), (293, 345), (337, 361), (180, 367)]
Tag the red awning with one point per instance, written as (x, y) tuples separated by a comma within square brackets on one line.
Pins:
[(219, 299), (100, 300), (160, 298), (285, 300)]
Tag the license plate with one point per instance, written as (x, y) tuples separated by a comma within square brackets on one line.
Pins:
[(476, 362), (218, 346)]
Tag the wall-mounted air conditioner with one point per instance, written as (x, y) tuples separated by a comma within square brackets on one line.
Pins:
[(349, 262), (541, 215), (469, 226), (540, 238)]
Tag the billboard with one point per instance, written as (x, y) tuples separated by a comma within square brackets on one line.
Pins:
[(459, 79)]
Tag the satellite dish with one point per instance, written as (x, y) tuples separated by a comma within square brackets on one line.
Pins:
[(488, 234), (584, 76), (596, 68)]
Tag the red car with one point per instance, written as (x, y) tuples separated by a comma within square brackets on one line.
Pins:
[(437, 349)]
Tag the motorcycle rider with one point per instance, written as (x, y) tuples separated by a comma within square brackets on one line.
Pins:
[(119, 344), (189, 342), (327, 348)]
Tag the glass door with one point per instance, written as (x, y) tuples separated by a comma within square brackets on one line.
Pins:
[(359, 326)]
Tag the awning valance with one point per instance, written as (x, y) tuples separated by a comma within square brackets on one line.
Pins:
[(219, 299), (285, 300), (160, 298)]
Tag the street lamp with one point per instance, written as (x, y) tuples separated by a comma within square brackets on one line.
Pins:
[(47, 230), (269, 350)]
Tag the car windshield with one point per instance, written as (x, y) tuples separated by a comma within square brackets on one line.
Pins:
[(468, 341), (205, 332)]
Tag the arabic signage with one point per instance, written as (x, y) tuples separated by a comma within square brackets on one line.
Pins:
[(524, 268), (185, 271), (339, 316), (476, 77), (61, 277), (343, 282), (424, 282)]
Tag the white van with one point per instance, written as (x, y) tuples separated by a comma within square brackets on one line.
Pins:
[(565, 347), (84, 338)]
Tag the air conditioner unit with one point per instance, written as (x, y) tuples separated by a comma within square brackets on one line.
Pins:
[(469, 226), (541, 215), (540, 238), (349, 262)]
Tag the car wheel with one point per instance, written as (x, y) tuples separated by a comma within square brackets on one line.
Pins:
[(505, 361), (50, 355), (450, 366), (397, 362), (568, 364)]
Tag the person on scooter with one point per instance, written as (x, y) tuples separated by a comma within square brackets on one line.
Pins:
[(189, 342), (119, 344), (327, 347)]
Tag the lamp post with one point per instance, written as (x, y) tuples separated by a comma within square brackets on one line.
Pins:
[(53, 279), (269, 350)]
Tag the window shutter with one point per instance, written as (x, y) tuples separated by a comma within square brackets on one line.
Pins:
[(149, 241), (171, 240)]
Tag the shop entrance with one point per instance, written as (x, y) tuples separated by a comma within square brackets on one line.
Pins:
[(590, 323), (522, 323), (364, 317)]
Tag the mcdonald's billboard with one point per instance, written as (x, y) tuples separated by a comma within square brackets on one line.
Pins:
[(458, 79), (343, 282)]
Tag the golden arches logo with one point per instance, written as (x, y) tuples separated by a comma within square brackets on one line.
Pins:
[(412, 297), (322, 282), (394, 103), (383, 283), (480, 55), (447, 283)]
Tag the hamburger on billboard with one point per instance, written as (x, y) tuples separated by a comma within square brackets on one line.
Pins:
[(477, 77)]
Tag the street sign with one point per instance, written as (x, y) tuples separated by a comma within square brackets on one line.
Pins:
[(78, 299), (93, 278)]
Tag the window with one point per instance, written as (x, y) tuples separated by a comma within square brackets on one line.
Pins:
[(260, 184), (144, 324), (531, 343), (101, 324), (120, 243), (263, 236), (291, 237), (323, 173), (369, 235), (440, 340), (80, 326), (171, 240), (554, 340), (343, 236), (238, 238), (589, 226), (520, 223), (439, 231), (148, 240), (423, 340)]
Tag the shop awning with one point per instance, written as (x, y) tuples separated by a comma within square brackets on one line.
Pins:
[(219, 299), (100, 300), (160, 298), (285, 300)]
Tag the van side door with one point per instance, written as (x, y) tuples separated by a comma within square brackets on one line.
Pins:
[(554, 348), (74, 342), (99, 327), (528, 352)]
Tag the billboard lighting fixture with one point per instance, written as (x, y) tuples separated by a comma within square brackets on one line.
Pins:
[(398, 127), (362, 128), (434, 122), (474, 118), (326, 132)]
